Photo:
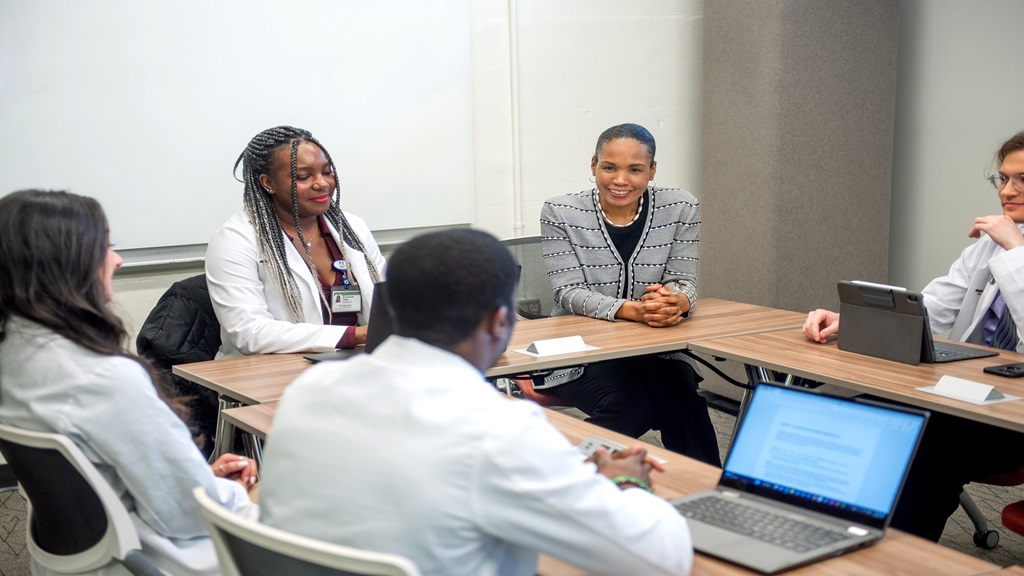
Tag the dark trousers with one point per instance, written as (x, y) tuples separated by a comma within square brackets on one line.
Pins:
[(953, 452), (634, 395)]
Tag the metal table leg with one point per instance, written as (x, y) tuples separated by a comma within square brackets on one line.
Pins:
[(224, 441)]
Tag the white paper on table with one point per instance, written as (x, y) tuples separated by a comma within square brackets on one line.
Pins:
[(552, 346), (968, 391)]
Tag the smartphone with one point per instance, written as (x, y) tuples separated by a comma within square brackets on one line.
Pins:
[(591, 444), (1007, 370)]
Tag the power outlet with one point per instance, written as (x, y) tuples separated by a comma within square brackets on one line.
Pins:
[(530, 307)]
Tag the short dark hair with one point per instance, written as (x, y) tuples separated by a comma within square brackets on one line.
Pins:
[(632, 131), (1015, 143), (441, 285)]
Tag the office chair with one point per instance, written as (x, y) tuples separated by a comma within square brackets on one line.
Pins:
[(76, 523), (983, 536), (1013, 517), (245, 547), (524, 384)]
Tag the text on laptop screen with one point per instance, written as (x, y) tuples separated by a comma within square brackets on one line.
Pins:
[(826, 450)]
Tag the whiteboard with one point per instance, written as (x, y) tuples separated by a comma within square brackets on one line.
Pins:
[(146, 105)]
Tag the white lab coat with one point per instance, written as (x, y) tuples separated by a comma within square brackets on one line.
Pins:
[(253, 313), (108, 406), (410, 451), (959, 300)]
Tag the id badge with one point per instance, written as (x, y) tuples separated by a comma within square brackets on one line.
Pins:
[(346, 300)]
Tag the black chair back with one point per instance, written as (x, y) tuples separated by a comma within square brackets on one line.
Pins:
[(67, 515)]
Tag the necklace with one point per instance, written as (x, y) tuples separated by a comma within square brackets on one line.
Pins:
[(639, 208), (318, 235)]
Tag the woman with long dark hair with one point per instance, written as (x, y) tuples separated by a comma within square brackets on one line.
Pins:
[(64, 368)]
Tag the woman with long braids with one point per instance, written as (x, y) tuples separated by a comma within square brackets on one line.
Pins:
[(64, 368), (291, 272)]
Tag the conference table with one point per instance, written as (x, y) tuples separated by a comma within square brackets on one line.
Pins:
[(897, 553), (262, 378), (789, 352)]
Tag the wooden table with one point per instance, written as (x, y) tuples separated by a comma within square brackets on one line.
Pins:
[(711, 318), (788, 351), (1011, 571), (262, 378), (898, 553)]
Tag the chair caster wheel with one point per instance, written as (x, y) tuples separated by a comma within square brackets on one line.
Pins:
[(988, 539)]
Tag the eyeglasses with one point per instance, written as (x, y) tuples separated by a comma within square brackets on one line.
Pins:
[(999, 182)]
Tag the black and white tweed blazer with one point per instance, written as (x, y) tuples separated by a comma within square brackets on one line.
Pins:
[(586, 272)]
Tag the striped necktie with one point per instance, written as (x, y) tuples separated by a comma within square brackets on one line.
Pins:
[(1005, 335)]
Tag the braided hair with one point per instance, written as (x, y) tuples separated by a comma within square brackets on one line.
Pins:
[(256, 159)]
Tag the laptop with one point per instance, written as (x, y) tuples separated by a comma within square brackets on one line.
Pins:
[(892, 323), (809, 476), (377, 330)]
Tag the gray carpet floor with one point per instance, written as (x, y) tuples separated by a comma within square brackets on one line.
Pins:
[(990, 499), (13, 551)]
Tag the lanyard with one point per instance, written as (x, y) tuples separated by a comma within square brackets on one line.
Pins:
[(342, 268)]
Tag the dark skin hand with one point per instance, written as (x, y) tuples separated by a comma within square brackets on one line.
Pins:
[(631, 461), (658, 307)]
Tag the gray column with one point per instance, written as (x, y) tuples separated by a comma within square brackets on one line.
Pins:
[(797, 133)]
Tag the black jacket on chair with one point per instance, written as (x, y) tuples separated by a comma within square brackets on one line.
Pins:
[(183, 328)]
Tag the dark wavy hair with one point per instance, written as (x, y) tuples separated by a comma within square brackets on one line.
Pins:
[(52, 247)]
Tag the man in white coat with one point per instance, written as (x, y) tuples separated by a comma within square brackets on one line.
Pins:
[(409, 450), (980, 300)]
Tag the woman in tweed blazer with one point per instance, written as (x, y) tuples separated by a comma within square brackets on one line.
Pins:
[(626, 251)]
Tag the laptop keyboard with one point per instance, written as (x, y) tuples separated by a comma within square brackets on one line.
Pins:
[(759, 524), (948, 355)]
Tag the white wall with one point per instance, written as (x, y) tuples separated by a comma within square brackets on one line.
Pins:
[(958, 98), (583, 65)]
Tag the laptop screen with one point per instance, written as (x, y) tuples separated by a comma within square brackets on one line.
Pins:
[(840, 456)]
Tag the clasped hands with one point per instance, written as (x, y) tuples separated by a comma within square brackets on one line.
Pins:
[(658, 307), (238, 468)]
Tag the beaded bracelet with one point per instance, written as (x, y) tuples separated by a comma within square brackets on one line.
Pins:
[(619, 480)]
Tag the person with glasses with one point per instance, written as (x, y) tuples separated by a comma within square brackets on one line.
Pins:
[(977, 301), (986, 282)]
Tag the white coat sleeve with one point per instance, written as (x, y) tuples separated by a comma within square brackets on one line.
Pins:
[(239, 299), (535, 490), (125, 424), (373, 252), (944, 295)]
